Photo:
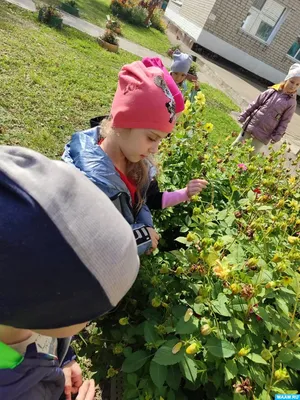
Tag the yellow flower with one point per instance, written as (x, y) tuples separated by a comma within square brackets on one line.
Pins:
[(187, 107), (292, 180), (293, 240), (208, 127), (123, 321), (192, 349), (200, 97), (222, 271), (281, 374), (111, 372), (294, 204), (244, 351), (287, 280)]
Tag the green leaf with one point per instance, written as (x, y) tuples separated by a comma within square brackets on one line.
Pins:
[(294, 363), (230, 219), (150, 333), (235, 328), (220, 348), (264, 208), (131, 394), (285, 356), (189, 368), (251, 195), (135, 361), (231, 370), (219, 305), (184, 328), (283, 306), (171, 395), (164, 355), (198, 308), (132, 379), (174, 377), (222, 215), (182, 239), (237, 254), (256, 358), (178, 311), (184, 229), (239, 305), (158, 373)]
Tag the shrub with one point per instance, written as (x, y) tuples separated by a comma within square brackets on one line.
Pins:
[(70, 7), (138, 16), (157, 21), (216, 311), (50, 15), (194, 68)]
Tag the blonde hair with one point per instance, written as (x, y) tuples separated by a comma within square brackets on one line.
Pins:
[(138, 172)]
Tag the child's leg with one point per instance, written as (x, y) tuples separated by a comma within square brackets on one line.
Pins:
[(241, 138), (258, 146)]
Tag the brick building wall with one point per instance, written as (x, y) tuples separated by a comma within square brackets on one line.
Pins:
[(227, 17), (197, 11)]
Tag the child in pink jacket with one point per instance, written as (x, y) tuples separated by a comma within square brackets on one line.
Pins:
[(266, 119)]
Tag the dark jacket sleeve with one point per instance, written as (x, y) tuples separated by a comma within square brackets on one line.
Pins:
[(154, 196)]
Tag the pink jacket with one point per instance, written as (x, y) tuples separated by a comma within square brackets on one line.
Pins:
[(269, 119)]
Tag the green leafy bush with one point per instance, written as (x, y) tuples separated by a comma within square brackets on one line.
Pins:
[(157, 21), (194, 68), (129, 11), (215, 313), (138, 15)]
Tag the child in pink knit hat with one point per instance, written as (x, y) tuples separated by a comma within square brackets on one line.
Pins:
[(116, 155)]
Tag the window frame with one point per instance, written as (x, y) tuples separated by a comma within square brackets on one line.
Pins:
[(276, 28)]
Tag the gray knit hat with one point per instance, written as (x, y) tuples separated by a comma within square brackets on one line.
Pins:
[(181, 62), (67, 255)]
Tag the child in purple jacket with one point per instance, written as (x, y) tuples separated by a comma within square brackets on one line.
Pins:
[(266, 119), (63, 248)]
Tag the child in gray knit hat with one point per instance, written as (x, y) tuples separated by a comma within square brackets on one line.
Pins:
[(179, 71), (67, 256)]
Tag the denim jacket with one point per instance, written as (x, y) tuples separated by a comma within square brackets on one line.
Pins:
[(85, 154)]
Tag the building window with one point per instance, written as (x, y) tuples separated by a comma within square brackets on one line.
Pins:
[(258, 4), (264, 19), (294, 50)]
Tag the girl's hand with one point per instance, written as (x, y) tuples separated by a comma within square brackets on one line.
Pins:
[(73, 378), (87, 390), (196, 84), (154, 238), (195, 186)]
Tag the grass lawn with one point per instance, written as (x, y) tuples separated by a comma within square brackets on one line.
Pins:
[(95, 11), (51, 82), (217, 111)]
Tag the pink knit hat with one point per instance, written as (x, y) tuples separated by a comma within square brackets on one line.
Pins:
[(178, 97), (143, 99)]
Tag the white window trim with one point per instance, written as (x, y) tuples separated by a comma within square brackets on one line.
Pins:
[(254, 37), (178, 2), (292, 58), (275, 30)]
